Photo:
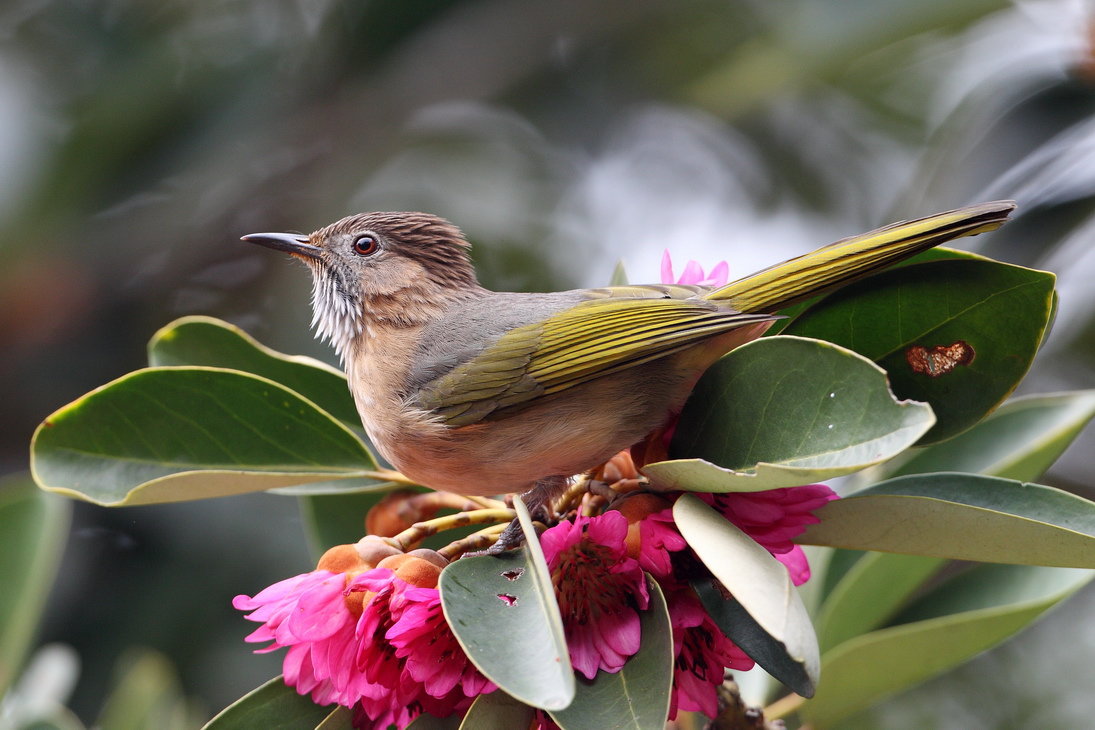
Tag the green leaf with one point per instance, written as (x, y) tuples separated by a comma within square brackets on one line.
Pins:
[(963, 617), (497, 711), (998, 311), (964, 517), (171, 434), (273, 706), (339, 487), (783, 412), (504, 614), (871, 593), (636, 697), (619, 275), (147, 695), (210, 342), (932, 254), (772, 625), (426, 721), (33, 529), (342, 718), (1019, 441)]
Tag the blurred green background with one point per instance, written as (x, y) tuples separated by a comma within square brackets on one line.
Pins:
[(139, 140)]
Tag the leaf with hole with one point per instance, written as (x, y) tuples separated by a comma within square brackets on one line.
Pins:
[(783, 412), (958, 334), (503, 612)]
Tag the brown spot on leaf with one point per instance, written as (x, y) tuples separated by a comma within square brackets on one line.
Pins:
[(513, 574), (939, 360)]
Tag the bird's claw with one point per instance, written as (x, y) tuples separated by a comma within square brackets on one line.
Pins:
[(511, 537)]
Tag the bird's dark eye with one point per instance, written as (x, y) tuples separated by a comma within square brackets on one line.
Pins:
[(365, 245)]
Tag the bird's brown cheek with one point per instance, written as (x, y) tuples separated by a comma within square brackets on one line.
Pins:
[(386, 277)]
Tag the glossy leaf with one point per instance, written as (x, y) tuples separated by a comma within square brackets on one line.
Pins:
[(962, 618), (772, 625), (341, 718), (963, 517), (171, 434), (996, 313), (1019, 441), (339, 487), (497, 711), (210, 342), (33, 529), (636, 697), (273, 706), (504, 614), (426, 721), (871, 593), (783, 412), (939, 253)]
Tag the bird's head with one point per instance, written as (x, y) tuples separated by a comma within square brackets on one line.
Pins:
[(393, 268)]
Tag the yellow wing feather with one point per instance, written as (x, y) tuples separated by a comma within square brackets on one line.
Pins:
[(593, 338)]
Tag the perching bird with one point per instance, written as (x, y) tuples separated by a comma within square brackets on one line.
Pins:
[(480, 392)]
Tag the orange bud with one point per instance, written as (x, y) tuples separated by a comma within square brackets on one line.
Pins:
[(342, 559), (413, 569), (635, 507)]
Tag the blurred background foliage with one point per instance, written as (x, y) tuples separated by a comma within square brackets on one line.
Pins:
[(139, 140)]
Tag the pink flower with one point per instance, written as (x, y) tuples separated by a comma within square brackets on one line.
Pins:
[(434, 657), (773, 517), (700, 654), (407, 648), (314, 616), (374, 639), (693, 273), (651, 533), (599, 589)]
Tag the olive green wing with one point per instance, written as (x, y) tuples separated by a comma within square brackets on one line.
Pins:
[(590, 339)]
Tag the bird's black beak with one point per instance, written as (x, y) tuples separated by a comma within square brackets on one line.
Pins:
[(290, 243)]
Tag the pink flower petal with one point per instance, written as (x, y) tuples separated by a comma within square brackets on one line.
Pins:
[(797, 565), (667, 268), (719, 275), (692, 274)]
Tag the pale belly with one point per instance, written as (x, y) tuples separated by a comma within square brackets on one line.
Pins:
[(562, 435)]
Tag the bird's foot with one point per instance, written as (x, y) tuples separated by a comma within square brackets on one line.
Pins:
[(538, 500), (511, 537)]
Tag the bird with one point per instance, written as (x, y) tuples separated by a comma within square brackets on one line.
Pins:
[(477, 392)]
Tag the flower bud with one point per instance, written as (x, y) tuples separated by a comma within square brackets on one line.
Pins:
[(373, 549), (636, 507), (414, 569)]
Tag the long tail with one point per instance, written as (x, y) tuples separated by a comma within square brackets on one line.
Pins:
[(853, 258)]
